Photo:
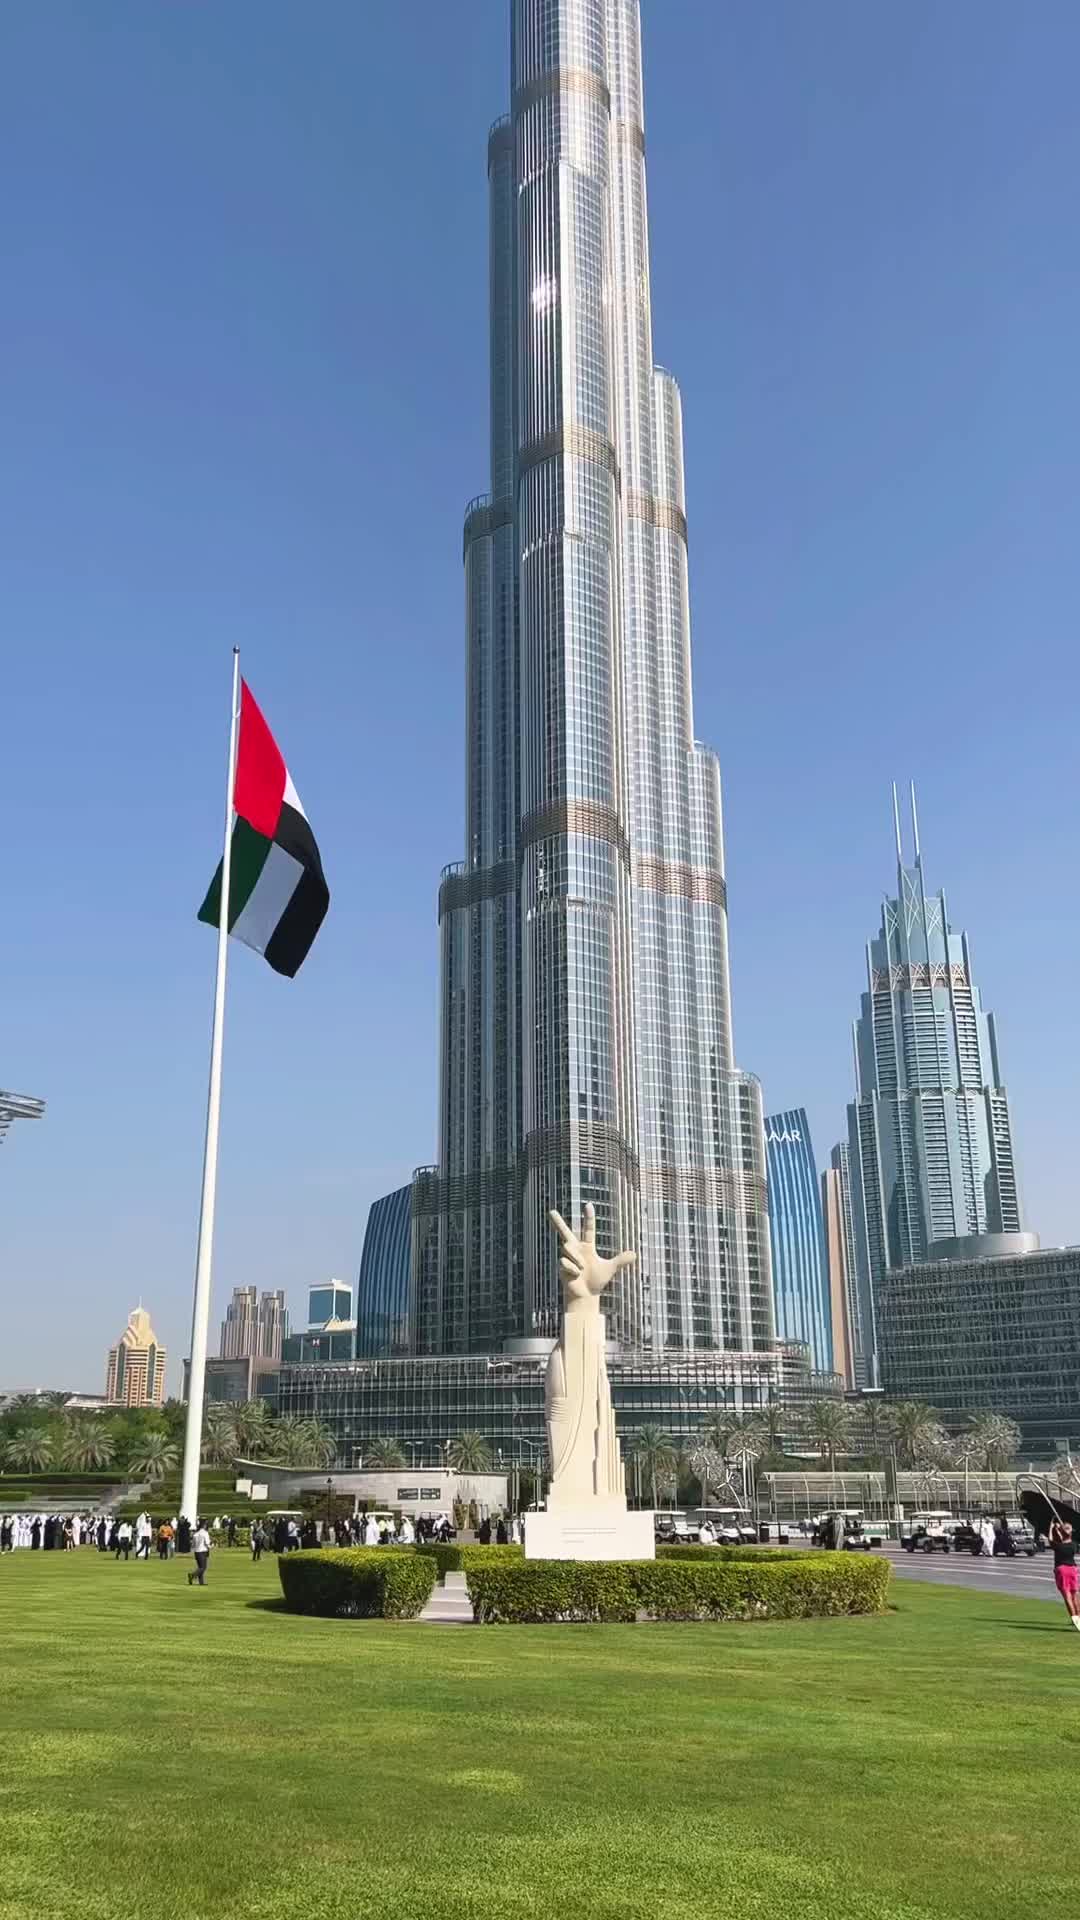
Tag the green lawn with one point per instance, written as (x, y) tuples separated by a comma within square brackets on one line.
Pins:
[(172, 1752)]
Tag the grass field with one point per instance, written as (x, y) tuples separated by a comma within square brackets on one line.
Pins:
[(172, 1752)]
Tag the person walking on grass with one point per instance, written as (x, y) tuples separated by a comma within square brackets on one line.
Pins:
[(1066, 1572), (200, 1546), (258, 1541)]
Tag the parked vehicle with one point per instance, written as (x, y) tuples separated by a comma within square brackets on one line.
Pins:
[(732, 1526), (929, 1533)]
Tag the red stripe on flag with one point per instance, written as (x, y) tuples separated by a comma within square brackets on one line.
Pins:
[(260, 769)]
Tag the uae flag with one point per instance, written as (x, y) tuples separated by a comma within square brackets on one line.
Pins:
[(277, 895)]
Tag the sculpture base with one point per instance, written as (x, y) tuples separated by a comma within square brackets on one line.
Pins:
[(589, 1533)]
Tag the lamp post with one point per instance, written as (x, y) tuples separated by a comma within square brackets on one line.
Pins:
[(329, 1491)]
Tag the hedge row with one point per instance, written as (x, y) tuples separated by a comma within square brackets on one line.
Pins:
[(455, 1557), (807, 1585), (694, 1551), (361, 1583)]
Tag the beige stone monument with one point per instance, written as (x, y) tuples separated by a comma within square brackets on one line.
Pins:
[(586, 1516)]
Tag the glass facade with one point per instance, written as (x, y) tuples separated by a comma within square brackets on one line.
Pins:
[(929, 1134), (333, 1301), (585, 1000), (998, 1334), (430, 1400), (800, 1288), (382, 1292)]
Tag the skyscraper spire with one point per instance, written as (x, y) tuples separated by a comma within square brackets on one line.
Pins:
[(915, 826), (586, 1005), (896, 824)]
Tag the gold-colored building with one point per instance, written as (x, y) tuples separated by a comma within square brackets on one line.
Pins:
[(136, 1368)]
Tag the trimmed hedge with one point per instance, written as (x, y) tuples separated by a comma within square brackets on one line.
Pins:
[(455, 1558), (693, 1550), (357, 1583), (806, 1585)]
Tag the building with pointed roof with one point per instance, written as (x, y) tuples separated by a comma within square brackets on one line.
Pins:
[(136, 1365)]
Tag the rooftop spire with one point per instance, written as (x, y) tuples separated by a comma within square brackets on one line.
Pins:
[(896, 824), (915, 826)]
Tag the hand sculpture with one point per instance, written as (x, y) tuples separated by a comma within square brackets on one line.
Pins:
[(584, 1274)]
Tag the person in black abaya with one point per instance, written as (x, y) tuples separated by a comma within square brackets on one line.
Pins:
[(183, 1535), (35, 1531)]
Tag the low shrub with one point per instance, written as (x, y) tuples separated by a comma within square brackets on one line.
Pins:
[(361, 1583), (693, 1550), (799, 1586), (455, 1557)]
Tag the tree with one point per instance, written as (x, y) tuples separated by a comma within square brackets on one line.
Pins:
[(875, 1420), (1068, 1473), (31, 1448), (85, 1445), (470, 1453), (152, 1458), (384, 1451), (997, 1439), (828, 1425), (915, 1429), (253, 1424), (770, 1424), (655, 1456), (218, 1436), (706, 1463)]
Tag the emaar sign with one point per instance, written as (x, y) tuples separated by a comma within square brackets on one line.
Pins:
[(785, 1139)]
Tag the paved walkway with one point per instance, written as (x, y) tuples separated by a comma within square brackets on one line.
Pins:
[(449, 1603), (1031, 1579)]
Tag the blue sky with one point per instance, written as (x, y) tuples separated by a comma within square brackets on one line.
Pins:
[(243, 400)]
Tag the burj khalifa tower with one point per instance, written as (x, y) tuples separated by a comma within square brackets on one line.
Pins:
[(586, 1038)]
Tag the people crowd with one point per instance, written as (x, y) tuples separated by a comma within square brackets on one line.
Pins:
[(144, 1536)]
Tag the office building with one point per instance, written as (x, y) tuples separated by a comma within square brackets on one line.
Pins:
[(931, 1151), (978, 1332), (800, 1289), (586, 1031), (839, 1258), (382, 1290), (254, 1325), (426, 1401), (135, 1374), (229, 1382), (330, 1300)]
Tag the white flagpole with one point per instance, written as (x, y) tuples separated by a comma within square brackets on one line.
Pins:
[(200, 1318)]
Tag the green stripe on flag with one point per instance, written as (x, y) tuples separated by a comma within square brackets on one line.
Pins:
[(249, 855)]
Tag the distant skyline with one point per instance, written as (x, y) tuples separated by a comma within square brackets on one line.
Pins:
[(243, 385)]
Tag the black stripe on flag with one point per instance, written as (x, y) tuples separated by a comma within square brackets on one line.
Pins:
[(290, 942)]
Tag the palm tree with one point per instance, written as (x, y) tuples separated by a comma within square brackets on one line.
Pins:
[(321, 1442), (875, 1419), (655, 1455), (252, 1425), (912, 1424), (218, 1436), (470, 1453), (770, 1424), (31, 1448), (383, 1451), (84, 1445), (152, 1457), (828, 1424)]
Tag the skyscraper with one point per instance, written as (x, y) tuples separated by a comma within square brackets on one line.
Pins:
[(382, 1290), (800, 1289), (135, 1374), (931, 1153), (586, 1019), (839, 1258), (254, 1327)]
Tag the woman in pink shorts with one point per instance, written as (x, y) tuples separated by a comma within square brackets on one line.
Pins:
[(1066, 1572)]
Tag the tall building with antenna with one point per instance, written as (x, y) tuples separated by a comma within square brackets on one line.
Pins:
[(18, 1106), (587, 1051), (930, 1139)]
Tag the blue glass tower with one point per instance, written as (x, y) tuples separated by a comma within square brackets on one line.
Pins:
[(931, 1152), (800, 1287), (382, 1293)]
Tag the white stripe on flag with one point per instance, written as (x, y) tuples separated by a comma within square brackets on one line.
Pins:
[(290, 797), (268, 899)]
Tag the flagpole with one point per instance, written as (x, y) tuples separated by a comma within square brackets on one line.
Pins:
[(200, 1317)]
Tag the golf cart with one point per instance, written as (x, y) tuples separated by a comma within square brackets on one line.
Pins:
[(929, 1533)]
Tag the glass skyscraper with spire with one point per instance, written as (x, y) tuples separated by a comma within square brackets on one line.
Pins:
[(930, 1139), (585, 1002)]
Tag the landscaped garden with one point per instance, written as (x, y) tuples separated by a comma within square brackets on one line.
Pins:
[(208, 1753)]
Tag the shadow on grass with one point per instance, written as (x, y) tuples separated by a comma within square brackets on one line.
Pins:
[(1026, 1626), (267, 1606)]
